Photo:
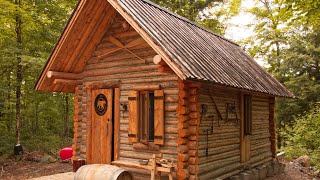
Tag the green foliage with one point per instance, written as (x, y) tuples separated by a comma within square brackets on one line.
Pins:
[(213, 14), (304, 137), (290, 47), (42, 114)]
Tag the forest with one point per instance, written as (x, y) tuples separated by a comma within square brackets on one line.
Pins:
[(284, 36)]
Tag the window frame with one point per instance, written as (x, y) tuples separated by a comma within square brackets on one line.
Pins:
[(146, 105)]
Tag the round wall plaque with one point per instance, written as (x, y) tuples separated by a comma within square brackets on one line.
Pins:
[(101, 104)]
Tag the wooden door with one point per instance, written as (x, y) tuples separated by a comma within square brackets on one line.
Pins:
[(102, 126)]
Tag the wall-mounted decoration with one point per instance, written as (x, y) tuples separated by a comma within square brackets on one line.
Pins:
[(124, 109), (204, 110), (231, 109), (101, 104)]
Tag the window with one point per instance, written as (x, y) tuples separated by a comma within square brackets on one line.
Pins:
[(247, 112), (146, 117), (146, 114)]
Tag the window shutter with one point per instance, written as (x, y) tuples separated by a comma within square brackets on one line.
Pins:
[(159, 117), (133, 98)]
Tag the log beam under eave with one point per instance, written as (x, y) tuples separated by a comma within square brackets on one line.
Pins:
[(63, 75), (68, 82), (158, 60)]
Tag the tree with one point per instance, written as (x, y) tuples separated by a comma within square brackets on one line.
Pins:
[(213, 14), (29, 30), (291, 49)]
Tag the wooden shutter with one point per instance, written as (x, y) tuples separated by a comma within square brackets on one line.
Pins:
[(133, 98), (159, 117)]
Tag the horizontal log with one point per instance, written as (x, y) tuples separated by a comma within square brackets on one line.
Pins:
[(144, 147), (99, 72), (113, 64), (182, 165), (165, 69), (203, 145), (223, 172), (221, 156), (182, 110), (183, 157), (212, 166), (193, 152), (163, 151), (183, 133), (193, 160), (183, 174), (182, 149), (158, 60), (63, 75), (193, 138), (166, 130), (218, 150), (193, 98), (182, 141), (156, 79), (193, 91), (66, 82), (194, 115), (183, 101), (193, 129), (145, 87), (183, 93), (183, 125), (193, 145), (129, 75), (194, 107)]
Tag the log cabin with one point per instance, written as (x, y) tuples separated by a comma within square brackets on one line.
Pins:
[(147, 81)]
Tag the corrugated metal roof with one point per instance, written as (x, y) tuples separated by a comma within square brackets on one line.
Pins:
[(201, 54)]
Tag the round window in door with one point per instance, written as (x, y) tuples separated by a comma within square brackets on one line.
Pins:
[(101, 104)]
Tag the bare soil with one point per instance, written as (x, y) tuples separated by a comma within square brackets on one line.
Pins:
[(12, 169), (294, 171)]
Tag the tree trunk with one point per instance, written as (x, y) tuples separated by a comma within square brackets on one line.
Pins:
[(19, 69), (66, 115), (8, 104)]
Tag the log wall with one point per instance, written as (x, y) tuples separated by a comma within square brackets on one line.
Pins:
[(219, 145), (126, 69)]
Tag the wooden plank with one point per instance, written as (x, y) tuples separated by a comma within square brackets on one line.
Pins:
[(89, 126), (145, 87), (147, 38), (116, 123), (159, 117), (68, 32), (134, 116), (94, 38), (89, 22)]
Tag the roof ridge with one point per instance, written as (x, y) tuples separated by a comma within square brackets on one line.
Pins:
[(187, 20)]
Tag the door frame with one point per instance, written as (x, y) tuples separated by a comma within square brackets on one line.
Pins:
[(115, 117)]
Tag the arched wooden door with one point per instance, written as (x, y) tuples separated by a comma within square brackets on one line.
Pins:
[(102, 126)]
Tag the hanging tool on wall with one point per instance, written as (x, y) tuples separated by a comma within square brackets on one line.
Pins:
[(216, 107)]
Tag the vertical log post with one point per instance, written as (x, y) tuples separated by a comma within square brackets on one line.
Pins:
[(75, 123), (188, 130), (194, 124), (183, 132)]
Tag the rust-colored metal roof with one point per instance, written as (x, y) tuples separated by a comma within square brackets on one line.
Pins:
[(199, 53)]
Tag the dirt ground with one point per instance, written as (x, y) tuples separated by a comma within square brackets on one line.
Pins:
[(12, 170), (294, 172)]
